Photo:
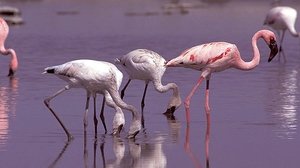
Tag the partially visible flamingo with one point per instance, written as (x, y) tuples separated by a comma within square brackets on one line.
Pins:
[(282, 18), (216, 57), (96, 77), (13, 65), (146, 65)]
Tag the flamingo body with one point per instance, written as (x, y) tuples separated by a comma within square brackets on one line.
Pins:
[(282, 18), (96, 77), (218, 56), (147, 65), (4, 30), (208, 56)]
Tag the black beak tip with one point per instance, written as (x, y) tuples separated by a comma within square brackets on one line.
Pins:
[(274, 50)]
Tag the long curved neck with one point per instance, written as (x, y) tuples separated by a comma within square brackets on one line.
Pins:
[(175, 99), (164, 88), (13, 65), (293, 31), (256, 55)]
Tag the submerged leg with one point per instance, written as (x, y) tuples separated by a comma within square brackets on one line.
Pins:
[(102, 115), (123, 90), (188, 99), (47, 103)]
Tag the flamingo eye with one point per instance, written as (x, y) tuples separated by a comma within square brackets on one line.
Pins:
[(272, 41)]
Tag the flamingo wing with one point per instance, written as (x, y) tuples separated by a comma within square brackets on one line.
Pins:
[(202, 56)]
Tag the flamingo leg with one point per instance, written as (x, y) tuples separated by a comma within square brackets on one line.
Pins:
[(143, 104), (280, 45), (85, 151), (207, 140), (102, 114), (280, 49), (123, 90), (207, 108), (47, 103), (188, 99), (85, 120), (95, 117)]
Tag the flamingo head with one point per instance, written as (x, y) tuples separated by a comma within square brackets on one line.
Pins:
[(270, 38), (273, 47)]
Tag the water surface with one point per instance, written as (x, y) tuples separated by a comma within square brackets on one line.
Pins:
[(254, 117)]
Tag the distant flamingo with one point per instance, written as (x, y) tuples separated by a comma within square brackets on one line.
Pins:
[(216, 57), (96, 77), (282, 18), (13, 65), (146, 65)]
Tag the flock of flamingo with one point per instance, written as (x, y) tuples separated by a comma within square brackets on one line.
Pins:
[(99, 77)]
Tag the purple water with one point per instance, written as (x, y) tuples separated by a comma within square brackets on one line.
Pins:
[(254, 117)]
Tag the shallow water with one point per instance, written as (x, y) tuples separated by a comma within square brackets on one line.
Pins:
[(254, 117)]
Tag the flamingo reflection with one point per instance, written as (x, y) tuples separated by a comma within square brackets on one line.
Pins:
[(285, 101), (188, 148), (8, 95), (148, 155), (60, 154)]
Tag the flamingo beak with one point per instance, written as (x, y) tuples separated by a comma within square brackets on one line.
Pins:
[(274, 49)]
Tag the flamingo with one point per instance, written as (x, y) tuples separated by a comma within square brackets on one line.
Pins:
[(216, 57), (96, 77), (146, 65), (282, 18), (13, 65)]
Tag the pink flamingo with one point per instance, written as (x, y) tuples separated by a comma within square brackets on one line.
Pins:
[(13, 65), (216, 57), (282, 18)]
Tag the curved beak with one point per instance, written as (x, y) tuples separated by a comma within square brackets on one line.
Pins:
[(274, 50)]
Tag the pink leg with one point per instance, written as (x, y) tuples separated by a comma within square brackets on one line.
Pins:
[(207, 135), (188, 99), (207, 108)]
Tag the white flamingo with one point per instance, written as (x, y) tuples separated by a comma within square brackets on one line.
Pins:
[(218, 56), (146, 65), (13, 65), (96, 77), (282, 18)]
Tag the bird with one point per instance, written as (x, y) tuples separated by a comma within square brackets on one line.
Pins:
[(148, 66), (96, 77), (282, 18), (13, 65), (218, 56)]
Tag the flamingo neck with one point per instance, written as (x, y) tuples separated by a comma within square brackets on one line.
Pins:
[(13, 65), (243, 65), (175, 99)]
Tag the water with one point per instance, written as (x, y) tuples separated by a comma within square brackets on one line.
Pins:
[(254, 117)]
